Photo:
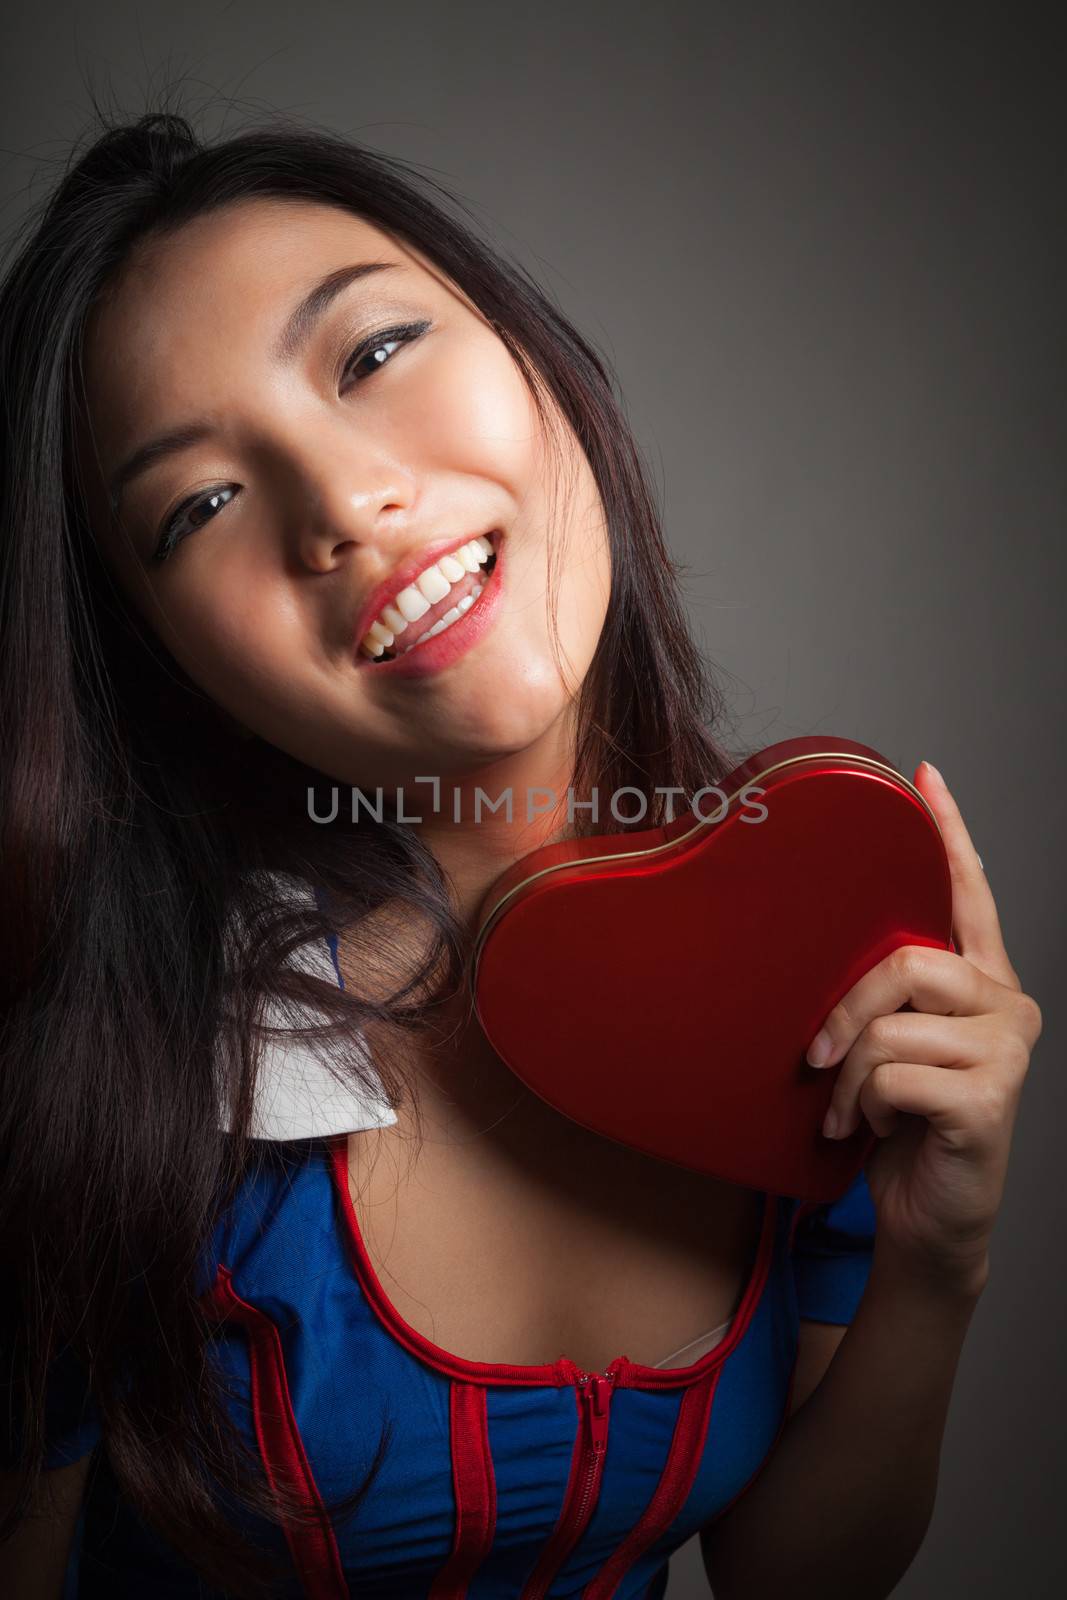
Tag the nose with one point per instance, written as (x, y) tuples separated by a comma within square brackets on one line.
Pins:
[(350, 497)]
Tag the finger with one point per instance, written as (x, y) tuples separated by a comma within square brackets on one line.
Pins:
[(969, 1110), (905, 1036), (976, 928), (926, 979)]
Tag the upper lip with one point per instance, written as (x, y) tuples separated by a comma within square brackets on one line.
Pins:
[(385, 592)]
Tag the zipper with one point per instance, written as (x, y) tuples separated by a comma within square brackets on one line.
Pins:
[(594, 1391)]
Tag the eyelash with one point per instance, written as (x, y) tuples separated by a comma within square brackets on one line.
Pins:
[(404, 334)]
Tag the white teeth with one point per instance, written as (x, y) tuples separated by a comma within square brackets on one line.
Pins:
[(438, 627), (433, 584), (448, 618), (411, 604), (429, 587), (452, 569), (394, 619), (374, 649)]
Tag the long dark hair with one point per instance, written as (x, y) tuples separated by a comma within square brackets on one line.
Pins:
[(142, 847)]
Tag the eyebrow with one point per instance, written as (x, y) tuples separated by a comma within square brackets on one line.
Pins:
[(290, 342)]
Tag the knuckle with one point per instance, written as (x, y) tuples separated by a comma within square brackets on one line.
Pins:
[(1030, 1013), (911, 962), (1016, 1055), (879, 1082), (883, 1033), (989, 1104)]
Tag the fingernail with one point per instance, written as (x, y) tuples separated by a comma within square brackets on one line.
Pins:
[(829, 1126), (934, 770), (819, 1049)]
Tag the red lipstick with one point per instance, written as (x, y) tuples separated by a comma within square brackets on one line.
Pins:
[(432, 655)]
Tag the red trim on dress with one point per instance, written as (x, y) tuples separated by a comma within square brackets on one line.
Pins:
[(593, 1397), (563, 1371), (750, 1480), (690, 1432), (314, 1548), (687, 1443), (802, 1210), (671, 1493), (474, 1487)]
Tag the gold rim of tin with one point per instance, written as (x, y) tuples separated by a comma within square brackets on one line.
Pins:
[(705, 822)]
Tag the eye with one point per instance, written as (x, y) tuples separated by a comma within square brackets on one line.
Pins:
[(379, 347), (173, 531)]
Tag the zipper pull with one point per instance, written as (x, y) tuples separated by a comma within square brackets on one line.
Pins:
[(596, 1393)]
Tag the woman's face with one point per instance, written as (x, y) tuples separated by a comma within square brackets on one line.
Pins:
[(318, 478)]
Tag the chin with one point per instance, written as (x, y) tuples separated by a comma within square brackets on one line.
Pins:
[(505, 713)]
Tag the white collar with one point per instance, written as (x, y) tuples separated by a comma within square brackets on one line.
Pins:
[(297, 1097)]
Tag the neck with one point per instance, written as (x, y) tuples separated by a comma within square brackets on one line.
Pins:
[(464, 1088), (491, 815)]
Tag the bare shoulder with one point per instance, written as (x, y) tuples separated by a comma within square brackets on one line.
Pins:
[(33, 1562)]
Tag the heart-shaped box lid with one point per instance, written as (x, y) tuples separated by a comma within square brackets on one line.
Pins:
[(662, 987)]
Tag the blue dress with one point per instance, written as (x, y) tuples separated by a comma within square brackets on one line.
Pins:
[(499, 1481)]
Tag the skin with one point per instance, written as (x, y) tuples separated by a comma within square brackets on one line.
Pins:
[(342, 475), (338, 483), (940, 1086), (337, 486)]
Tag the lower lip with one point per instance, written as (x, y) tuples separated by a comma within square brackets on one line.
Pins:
[(432, 655)]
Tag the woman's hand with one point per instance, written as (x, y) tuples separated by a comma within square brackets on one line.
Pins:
[(939, 1083)]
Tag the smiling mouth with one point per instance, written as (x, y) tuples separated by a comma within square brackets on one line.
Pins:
[(461, 597)]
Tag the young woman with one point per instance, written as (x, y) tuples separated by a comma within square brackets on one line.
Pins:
[(307, 490)]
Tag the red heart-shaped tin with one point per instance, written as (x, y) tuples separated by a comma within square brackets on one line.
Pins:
[(662, 988)]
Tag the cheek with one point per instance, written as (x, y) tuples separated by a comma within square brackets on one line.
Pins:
[(479, 417), (238, 640), (217, 633), (581, 568), (483, 420)]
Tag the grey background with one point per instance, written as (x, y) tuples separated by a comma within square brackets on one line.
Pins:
[(823, 246)]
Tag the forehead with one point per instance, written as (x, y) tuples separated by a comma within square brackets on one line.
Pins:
[(249, 248), (217, 290)]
